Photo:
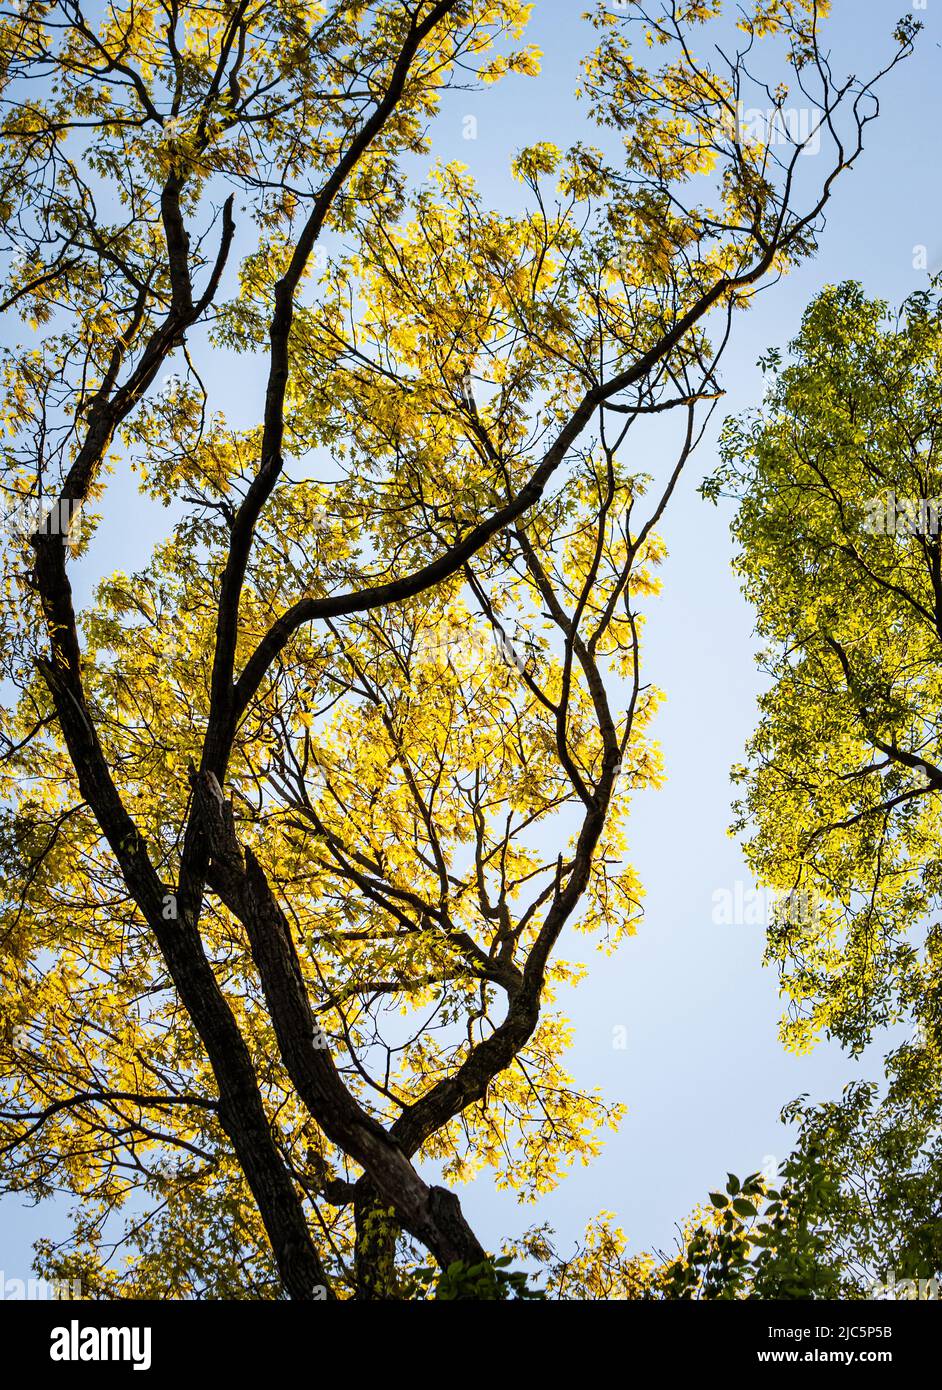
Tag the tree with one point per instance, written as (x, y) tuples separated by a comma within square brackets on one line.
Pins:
[(297, 814), (838, 476), (882, 1155), (843, 780)]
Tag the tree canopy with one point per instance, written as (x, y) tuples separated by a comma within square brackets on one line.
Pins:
[(838, 478)]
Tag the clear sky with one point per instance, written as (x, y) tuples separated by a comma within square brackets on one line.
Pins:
[(702, 1073)]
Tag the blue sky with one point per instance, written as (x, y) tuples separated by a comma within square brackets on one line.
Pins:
[(703, 1074)]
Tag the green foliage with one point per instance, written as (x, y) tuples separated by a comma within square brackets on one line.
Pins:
[(839, 482), (759, 1241), (488, 1281), (838, 476)]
